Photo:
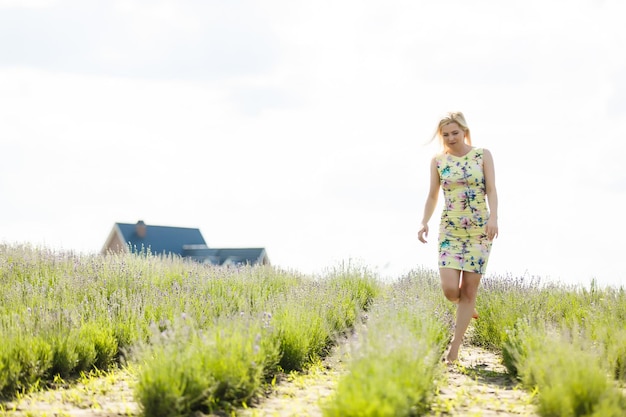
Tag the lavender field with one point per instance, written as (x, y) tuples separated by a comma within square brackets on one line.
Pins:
[(202, 340)]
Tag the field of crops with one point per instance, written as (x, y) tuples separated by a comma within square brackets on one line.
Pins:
[(204, 340)]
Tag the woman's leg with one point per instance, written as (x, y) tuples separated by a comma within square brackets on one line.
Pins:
[(450, 283), (451, 286), (467, 301)]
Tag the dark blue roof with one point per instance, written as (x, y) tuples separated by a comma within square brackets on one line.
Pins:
[(160, 239)]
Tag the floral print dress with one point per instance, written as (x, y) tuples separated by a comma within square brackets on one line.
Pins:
[(463, 242)]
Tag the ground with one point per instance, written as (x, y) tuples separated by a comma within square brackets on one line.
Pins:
[(480, 386), (477, 386)]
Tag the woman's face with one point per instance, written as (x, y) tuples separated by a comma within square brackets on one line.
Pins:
[(452, 134)]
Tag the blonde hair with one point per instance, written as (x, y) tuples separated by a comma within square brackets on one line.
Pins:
[(453, 117)]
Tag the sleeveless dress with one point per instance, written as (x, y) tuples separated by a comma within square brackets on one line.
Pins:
[(463, 242)]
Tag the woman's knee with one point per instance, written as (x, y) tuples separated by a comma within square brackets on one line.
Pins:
[(452, 293), (450, 279), (469, 294), (469, 286)]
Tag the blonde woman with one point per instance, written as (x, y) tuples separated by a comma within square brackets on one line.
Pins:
[(469, 220)]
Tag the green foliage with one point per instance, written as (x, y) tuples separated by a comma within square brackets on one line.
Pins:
[(616, 353), (502, 301), (521, 340), (91, 311), (384, 385), (24, 361), (187, 370), (395, 359), (423, 286), (64, 353), (209, 338), (612, 337), (312, 314), (303, 335), (565, 342), (570, 381), (359, 283), (567, 372), (98, 340), (81, 349), (596, 313)]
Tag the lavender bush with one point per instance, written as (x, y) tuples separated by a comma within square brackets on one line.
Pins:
[(62, 314)]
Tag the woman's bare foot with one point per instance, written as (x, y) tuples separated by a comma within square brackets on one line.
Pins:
[(453, 354), (450, 363), (475, 314)]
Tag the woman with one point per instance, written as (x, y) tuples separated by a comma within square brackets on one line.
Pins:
[(466, 175)]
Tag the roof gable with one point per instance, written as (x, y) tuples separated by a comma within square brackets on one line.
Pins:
[(160, 239)]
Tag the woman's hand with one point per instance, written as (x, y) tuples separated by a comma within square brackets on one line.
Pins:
[(423, 233), (492, 228)]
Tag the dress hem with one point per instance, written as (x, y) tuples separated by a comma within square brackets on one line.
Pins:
[(461, 269)]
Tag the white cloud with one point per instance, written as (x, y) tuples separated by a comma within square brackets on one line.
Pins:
[(165, 39), (30, 4)]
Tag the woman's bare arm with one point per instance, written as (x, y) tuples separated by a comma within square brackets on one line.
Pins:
[(431, 201)]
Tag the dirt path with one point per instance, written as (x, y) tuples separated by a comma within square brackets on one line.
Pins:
[(110, 395), (478, 386), (302, 395)]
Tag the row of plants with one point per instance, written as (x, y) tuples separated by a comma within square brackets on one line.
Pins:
[(210, 339), (206, 338), (565, 369), (188, 368), (565, 343), (395, 360)]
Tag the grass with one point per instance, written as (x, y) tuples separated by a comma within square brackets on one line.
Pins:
[(204, 371), (567, 372), (396, 358), (105, 391), (565, 343), (205, 339)]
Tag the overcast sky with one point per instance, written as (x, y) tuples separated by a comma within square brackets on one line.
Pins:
[(302, 126)]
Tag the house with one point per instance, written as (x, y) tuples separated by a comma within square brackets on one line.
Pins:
[(178, 241)]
